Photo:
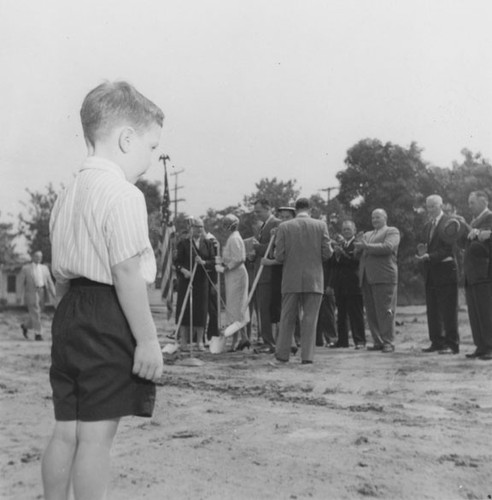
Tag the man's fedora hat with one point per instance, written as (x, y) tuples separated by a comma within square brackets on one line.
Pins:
[(292, 210)]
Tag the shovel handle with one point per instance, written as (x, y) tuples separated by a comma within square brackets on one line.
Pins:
[(185, 299), (260, 270)]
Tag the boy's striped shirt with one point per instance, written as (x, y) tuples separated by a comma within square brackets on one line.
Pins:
[(98, 221)]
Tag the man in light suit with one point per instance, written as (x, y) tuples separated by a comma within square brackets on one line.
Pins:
[(478, 275), (378, 275), (441, 281), (34, 283), (263, 293), (302, 244)]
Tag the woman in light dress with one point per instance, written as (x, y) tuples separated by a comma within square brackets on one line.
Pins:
[(236, 281)]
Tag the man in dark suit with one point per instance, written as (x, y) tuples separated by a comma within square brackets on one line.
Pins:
[(378, 277), (302, 244), (348, 294), (478, 275), (441, 280), (263, 293)]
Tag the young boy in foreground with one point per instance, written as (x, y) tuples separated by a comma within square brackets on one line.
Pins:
[(105, 352)]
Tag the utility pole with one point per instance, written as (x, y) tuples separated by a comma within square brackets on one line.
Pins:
[(328, 191), (175, 173)]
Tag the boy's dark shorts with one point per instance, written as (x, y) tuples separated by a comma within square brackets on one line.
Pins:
[(92, 358)]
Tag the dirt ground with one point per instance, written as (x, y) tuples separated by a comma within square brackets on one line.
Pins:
[(356, 424)]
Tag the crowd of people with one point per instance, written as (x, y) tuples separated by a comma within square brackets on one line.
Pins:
[(310, 288), (105, 353)]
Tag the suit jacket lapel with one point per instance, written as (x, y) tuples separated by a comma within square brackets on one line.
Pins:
[(476, 222)]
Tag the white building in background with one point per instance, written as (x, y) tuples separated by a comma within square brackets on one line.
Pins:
[(9, 283)]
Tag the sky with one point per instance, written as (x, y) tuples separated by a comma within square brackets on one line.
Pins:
[(250, 89)]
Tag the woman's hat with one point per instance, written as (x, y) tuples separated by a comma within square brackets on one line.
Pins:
[(452, 230), (230, 221)]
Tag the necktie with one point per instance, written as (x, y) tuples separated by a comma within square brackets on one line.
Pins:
[(261, 230), (432, 229)]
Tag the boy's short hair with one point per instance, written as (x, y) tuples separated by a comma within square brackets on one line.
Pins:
[(116, 103)]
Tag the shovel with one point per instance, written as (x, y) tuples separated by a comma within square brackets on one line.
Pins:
[(217, 344)]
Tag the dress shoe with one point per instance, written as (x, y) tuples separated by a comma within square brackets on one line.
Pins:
[(38, 336), (338, 346), (486, 356), (447, 350), (278, 362), (388, 348), (475, 354), (431, 348), (375, 348), (265, 349), (244, 344), (359, 346), (24, 331), (306, 362)]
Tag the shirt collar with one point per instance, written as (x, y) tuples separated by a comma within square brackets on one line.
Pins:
[(96, 162), (438, 218), (302, 214), (481, 213)]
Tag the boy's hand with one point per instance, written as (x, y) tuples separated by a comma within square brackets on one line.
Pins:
[(147, 362)]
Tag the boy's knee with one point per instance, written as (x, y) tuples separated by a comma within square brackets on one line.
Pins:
[(65, 432)]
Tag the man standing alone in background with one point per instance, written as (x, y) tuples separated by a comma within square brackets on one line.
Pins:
[(34, 283)]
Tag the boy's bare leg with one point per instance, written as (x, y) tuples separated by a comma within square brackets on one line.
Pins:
[(90, 472), (56, 466)]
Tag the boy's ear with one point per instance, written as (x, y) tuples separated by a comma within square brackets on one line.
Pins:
[(125, 139)]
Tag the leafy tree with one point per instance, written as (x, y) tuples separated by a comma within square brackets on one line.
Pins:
[(152, 193), (472, 174), (278, 193), (35, 224), (153, 201), (8, 254), (394, 178)]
